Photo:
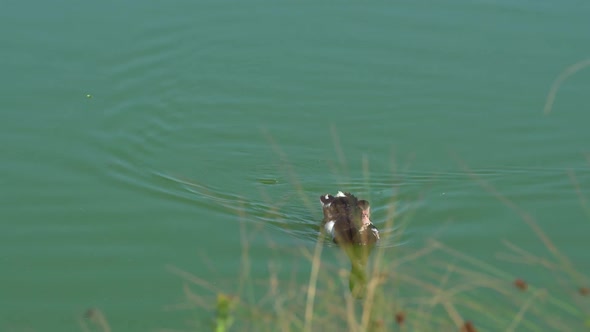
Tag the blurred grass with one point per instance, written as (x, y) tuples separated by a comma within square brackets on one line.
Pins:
[(432, 288)]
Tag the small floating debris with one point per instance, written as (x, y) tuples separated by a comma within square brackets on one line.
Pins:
[(267, 180), (96, 317), (520, 284), (584, 291), (91, 313), (89, 96)]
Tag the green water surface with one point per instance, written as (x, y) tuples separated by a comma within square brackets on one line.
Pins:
[(135, 134)]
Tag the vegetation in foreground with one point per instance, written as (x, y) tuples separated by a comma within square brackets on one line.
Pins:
[(434, 288)]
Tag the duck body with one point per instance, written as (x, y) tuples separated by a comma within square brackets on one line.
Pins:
[(347, 219)]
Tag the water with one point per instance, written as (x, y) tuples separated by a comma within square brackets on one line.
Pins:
[(136, 134)]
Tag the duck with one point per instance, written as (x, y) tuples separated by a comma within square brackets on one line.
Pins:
[(348, 220)]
